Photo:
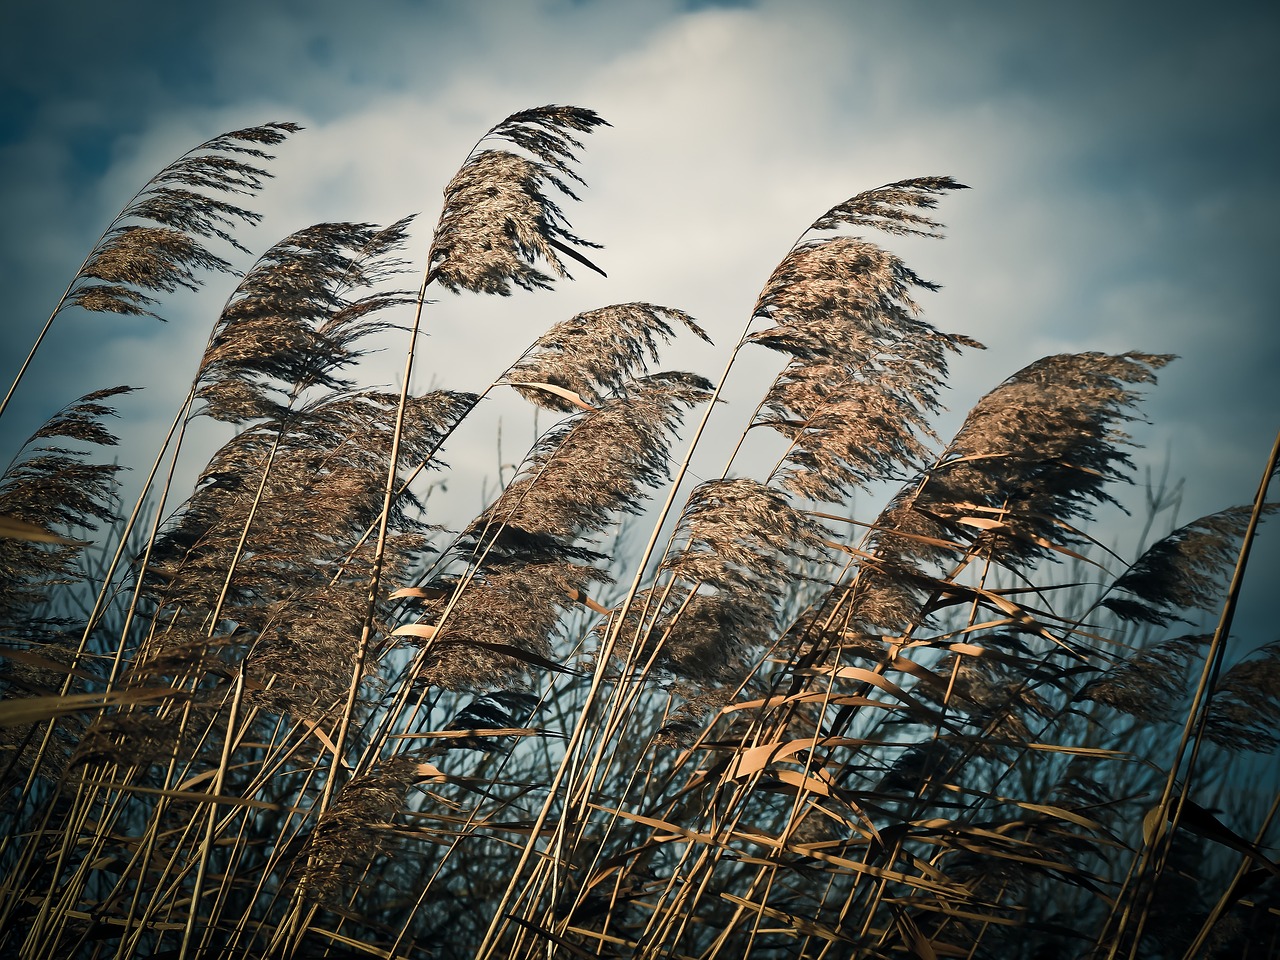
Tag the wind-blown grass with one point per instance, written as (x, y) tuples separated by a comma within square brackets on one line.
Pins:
[(297, 718)]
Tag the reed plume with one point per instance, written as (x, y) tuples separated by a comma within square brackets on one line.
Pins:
[(1182, 571), (51, 487), (530, 543), (498, 221), (164, 251), (856, 397), (1244, 713), (591, 467), (51, 493), (156, 243), (593, 354)]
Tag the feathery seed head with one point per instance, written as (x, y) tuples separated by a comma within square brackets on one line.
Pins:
[(134, 259), (498, 220), (595, 353)]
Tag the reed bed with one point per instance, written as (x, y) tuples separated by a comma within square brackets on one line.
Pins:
[(285, 714)]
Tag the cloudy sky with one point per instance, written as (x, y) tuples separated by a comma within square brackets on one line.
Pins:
[(1121, 155)]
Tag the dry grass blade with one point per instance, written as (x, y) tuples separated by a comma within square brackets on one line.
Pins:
[(34, 709), (15, 529)]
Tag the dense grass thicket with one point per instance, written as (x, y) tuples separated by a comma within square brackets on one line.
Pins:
[(287, 714)]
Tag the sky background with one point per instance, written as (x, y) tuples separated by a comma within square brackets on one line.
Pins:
[(1122, 158)]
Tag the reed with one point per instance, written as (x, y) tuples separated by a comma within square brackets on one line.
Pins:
[(295, 717)]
